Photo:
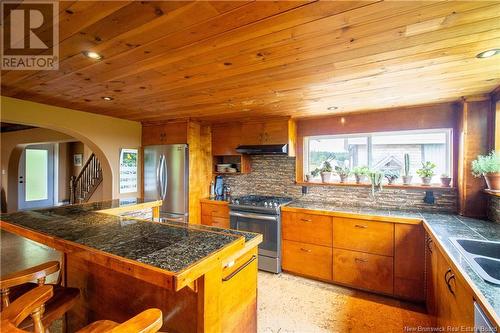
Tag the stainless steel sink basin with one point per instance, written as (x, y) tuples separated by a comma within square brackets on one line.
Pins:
[(483, 256)]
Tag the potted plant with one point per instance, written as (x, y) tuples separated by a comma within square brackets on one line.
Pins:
[(376, 178), (326, 172), (343, 172), (445, 180), (407, 177), (360, 173), (313, 174), (489, 167), (426, 172), (391, 176)]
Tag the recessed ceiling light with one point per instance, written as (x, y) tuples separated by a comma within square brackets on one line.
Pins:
[(331, 108), (92, 55), (488, 53), (107, 98)]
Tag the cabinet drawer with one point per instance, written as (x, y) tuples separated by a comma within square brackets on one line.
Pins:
[(215, 210), (364, 236), (307, 228), (220, 222), (363, 270), (307, 259)]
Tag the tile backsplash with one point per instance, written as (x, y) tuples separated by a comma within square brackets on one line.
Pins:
[(275, 175)]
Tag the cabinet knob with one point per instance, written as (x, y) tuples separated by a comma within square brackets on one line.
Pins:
[(360, 260), (305, 250), (360, 226), (306, 220)]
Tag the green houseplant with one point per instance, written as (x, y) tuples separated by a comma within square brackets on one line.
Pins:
[(360, 173), (376, 178), (343, 172), (391, 176), (488, 166), (326, 172), (426, 172), (407, 177)]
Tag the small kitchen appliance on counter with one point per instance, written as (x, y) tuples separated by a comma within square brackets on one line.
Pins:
[(261, 214)]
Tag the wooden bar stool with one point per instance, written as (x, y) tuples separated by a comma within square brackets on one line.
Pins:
[(32, 303), (14, 286)]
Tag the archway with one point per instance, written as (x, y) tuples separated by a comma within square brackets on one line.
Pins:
[(13, 153), (106, 136)]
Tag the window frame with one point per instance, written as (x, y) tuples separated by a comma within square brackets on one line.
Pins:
[(369, 135)]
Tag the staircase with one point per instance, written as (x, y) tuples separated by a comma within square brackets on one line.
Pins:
[(83, 186)]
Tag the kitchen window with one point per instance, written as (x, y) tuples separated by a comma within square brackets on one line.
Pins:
[(382, 151)]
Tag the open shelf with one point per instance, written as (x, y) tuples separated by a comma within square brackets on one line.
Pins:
[(240, 162)]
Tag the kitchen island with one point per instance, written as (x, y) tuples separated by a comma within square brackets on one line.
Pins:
[(203, 279)]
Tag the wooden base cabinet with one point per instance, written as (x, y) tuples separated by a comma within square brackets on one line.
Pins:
[(239, 287), (307, 259), (449, 297), (409, 261), (215, 213), (363, 270), (381, 256)]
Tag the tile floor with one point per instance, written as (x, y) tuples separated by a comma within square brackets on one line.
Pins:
[(286, 303)]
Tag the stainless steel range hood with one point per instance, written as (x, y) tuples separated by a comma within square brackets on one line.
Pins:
[(263, 149)]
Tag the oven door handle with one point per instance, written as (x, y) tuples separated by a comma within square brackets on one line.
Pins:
[(254, 216)]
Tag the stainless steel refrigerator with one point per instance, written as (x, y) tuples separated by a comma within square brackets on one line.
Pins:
[(166, 177)]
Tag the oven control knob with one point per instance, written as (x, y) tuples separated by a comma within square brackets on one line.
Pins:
[(265, 203), (276, 204)]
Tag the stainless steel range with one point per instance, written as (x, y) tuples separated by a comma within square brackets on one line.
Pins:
[(261, 214)]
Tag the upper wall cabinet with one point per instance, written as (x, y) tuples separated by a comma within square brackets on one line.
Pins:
[(226, 137), (164, 134)]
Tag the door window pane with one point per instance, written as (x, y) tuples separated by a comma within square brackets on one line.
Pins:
[(36, 174)]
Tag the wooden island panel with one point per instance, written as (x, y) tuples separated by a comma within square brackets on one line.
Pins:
[(212, 294)]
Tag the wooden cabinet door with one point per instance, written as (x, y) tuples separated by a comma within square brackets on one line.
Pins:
[(455, 304), (152, 135), (164, 134), (275, 132), (409, 261), (238, 301), (431, 277), (252, 133), (225, 139)]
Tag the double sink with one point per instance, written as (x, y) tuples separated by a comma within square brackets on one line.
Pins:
[(483, 256)]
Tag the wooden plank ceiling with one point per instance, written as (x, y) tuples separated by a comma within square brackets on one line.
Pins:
[(226, 60)]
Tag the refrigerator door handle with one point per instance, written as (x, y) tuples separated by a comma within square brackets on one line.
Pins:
[(158, 177), (165, 175)]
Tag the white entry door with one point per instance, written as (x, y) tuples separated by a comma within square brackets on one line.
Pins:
[(36, 177)]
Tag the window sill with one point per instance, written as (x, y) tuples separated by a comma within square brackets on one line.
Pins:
[(433, 187), (492, 193)]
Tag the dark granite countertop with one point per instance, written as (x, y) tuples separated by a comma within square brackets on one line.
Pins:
[(443, 226), (169, 246)]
